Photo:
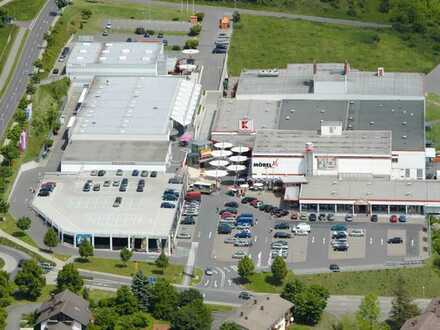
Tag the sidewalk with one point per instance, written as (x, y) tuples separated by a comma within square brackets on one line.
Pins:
[(5, 2), (12, 56)]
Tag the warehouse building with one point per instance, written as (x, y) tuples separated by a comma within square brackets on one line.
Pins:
[(125, 123), (136, 222), (89, 59)]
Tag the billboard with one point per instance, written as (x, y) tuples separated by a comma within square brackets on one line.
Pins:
[(326, 163), (274, 166)]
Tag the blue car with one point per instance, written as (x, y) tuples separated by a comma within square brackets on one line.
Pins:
[(166, 205), (243, 234)]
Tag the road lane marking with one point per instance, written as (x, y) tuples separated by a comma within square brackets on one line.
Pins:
[(259, 259), (210, 234), (412, 242), (313, 239), (215, 283), (255, 238), (323, 240), (198, 235), (223, 277), (227, 269), (381, 241), (206, 283), (371, 240), (230, 282)]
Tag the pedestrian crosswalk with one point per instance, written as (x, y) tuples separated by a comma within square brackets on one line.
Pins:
[(221, 278)]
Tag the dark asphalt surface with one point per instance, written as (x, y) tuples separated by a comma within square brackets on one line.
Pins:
[(17, 86)]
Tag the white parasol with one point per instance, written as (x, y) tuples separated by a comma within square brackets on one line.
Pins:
[(187, 67), (238, 159), (221, 153), (258, 184), (223, 145), (190, 51), (219, 163), (236, 168), (240, 149), (216, 173)]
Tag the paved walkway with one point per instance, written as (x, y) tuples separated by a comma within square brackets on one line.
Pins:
[(15, 313), (10, 262), (13, 53)]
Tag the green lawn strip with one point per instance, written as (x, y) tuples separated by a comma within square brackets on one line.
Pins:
[(14, 66), (198, 274), (213, 308), (380, 282), (71, 22), (45, 294), (433, 107), (327, 321), (267, 42), (310, 7), (173, 273), (2, 263), (24, 10), (9, 225), (6, 242), (433, 135), (6, 32)]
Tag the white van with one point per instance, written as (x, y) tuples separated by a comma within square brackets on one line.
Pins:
[(301, 229)]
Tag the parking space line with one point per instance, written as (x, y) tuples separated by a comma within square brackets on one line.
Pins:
[(230, 282), (313, 239), (215, 283), (255, 238), (371, 240), (323, 240), (198, 235), (227, 269), (210, 234), (206, 283), (412, 242), (381, 241)]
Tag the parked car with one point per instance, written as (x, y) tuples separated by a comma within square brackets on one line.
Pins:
[(280, 213), (395, 240), (97, 187), (301, 228), (117, 202), (184, 236), (393, 218), (339, 234), (312, 217), (330, 217), (279, 244), (86, 188), (231, 204), (281, 234), (245, 295), (153, 174), (294, 216), (101, 173), (402, 218), (334, 268), (160, 35), (243, 234), (55, 71), (166, 205), (243, 242), (303, 217), (239, 255), (116, 183), (45, 193), (218, 50), (107, 183), (94, 173), (246, 200), (374, 218), (119, 172), (224, 229), (340, 247), (208, 271), (282, 225), (135, 173), (349, 218), (229, 210), (256, 203), (140, 189), (230, 240), (144, 174), (338, 227), (357, 232), (321, 216), (123, 188)]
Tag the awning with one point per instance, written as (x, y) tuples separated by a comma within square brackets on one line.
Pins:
[(294, 179), (186, 102), (291, 193)]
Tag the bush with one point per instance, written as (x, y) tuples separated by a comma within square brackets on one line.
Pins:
[(139, 30), (236, 17), (150, 32), (49, 143), (175, 19), (175, 47), (191, 44), (200, 16), (195, 30), (436, 262)]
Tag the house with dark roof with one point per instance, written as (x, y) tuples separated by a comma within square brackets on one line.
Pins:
[(428, 320), (269, 312), (63, 311)]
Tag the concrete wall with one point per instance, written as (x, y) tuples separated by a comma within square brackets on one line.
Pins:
[(408, 160)]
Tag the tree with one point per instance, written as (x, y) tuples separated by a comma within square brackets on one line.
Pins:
[(436, 245), (139, 30), (5, 289), (191, 44), (246, 267), (125, 255), (142, 290), (125, 302), (236, 17), (51, 239), (24, 223), (105, 317), (368, 312), (138, 320), (194, 316), (86, 293), (69, 278), (30, 280), (190, 296), (162, 261), (164, 300), (4, 206), (62, 3), (402, 307), (230, 326), (86, 249), (200, 16), (279, 269), (195, 30)]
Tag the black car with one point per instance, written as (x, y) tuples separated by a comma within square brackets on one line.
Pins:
[(245, 295), (246, 200), (282, 225), (219, 50), (141, 182), (231, 204), (281, 234), (268, 209), (129, 40), (153, 174), (395, 240), (312, 217), (169, 197), (140, 189), (160, 35), (187, 221), (122, 188), (321, 216), (135, 173), (101, 173), (43, 193), (280, 213), (86, 187), (374, 218), (55, 71), (330, 217), (334, 268)]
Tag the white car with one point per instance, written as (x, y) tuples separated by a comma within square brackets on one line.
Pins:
[(357, 233), (230, 240), (239, 255), (184, 236), (301, 228)]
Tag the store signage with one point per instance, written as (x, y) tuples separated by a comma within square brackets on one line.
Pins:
[(273, 164), (326, 163), (246, 125)]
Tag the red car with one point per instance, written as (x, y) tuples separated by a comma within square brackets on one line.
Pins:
[(254, 203), (225, 215), (393, 218)]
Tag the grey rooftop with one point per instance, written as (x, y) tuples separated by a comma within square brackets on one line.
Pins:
[(349, 143), (332, 188)]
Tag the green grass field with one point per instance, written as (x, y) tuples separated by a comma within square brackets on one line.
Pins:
[(173, 273), (380, 282), (24, 10), (10, 226), (7, 36), (266, 42), (369, 12), (433, 107), (71, 22)]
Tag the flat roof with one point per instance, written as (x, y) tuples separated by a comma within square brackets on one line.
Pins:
[(405, 118), (116, 151), (128, 53), (75, 211), (288, 142), (128, 108), (264, 114), (332, 188), (299, 78)]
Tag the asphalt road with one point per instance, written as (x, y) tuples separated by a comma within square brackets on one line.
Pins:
[(17, 86), (12, 258)]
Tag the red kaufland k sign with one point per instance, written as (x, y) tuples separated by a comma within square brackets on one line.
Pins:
[(245, 125)]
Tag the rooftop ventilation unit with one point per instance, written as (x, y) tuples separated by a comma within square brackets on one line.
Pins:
[(371, 123), (404, 137), (404, 123)]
